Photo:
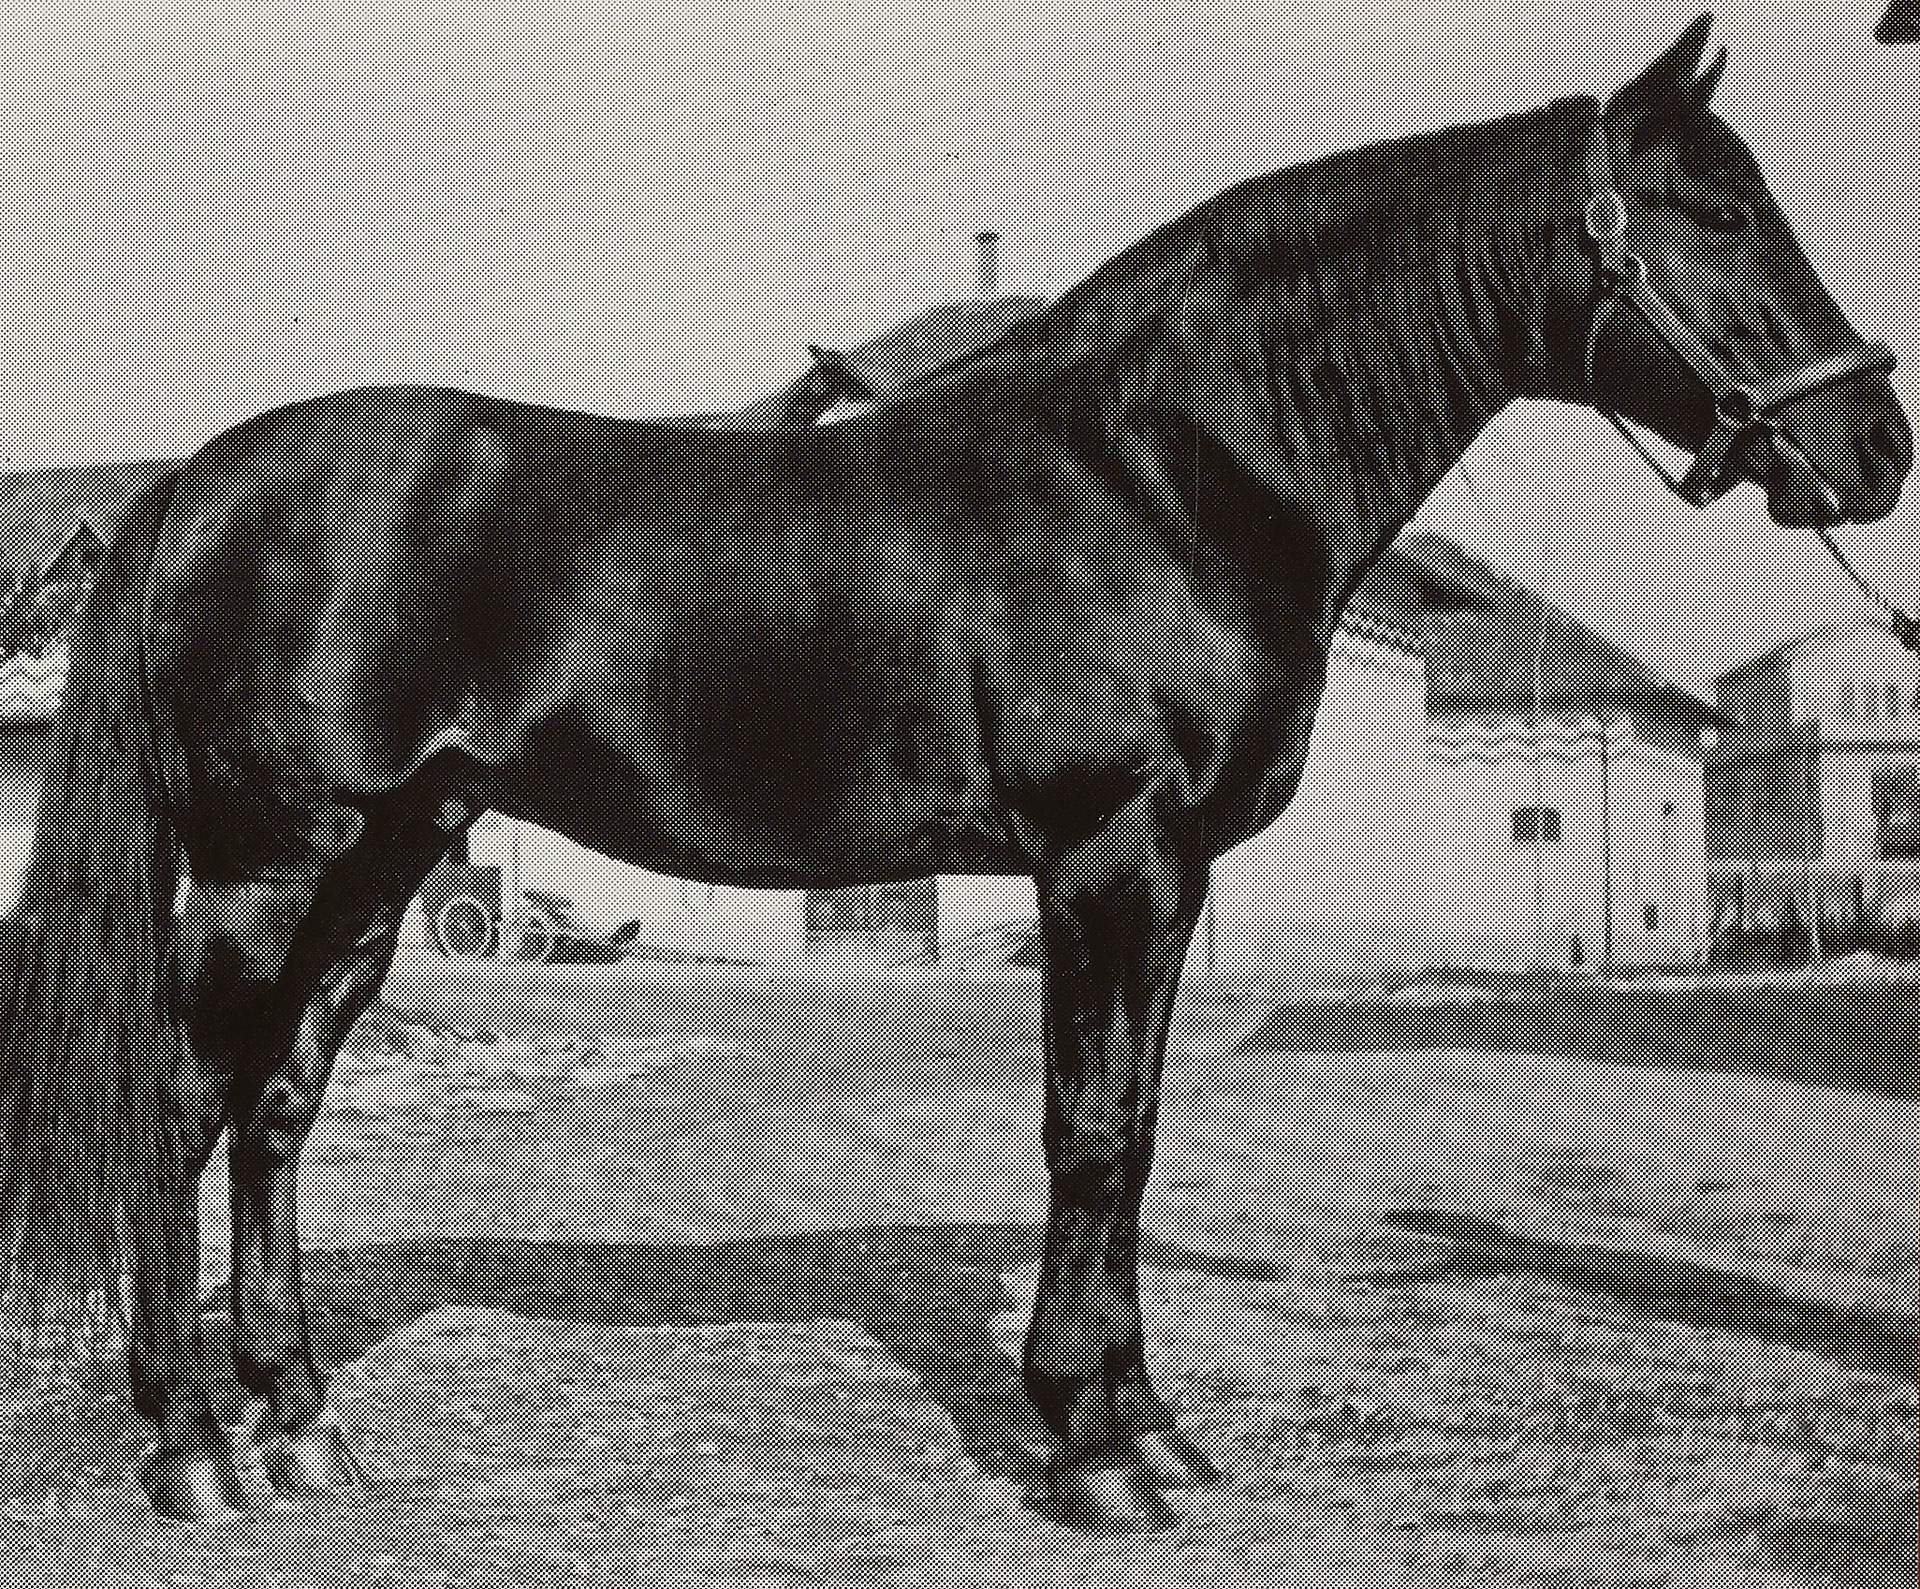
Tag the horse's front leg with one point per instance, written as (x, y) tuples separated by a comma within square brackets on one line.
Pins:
[(1116, 920)]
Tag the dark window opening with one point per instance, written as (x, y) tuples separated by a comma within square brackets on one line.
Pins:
[(1536, 825), (1896, 813)]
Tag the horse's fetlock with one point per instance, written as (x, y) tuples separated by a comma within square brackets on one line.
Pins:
[(296, 1398), (1091, 1169), (1077, 1409), (258, 1364)]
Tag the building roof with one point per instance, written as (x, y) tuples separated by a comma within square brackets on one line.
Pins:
[(1820, 633), (875, 369), (1482, 650), (42, 510), (942, 334)]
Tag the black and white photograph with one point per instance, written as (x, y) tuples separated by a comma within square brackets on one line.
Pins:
[(1052, 793)]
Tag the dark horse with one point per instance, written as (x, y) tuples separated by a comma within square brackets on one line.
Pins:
[(1060, 608)]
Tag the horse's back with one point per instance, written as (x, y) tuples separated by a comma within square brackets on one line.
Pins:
[(678, 644)]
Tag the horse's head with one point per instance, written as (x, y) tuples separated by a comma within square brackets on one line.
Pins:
[(1709, 324)]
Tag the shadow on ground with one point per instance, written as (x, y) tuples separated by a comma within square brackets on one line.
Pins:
[(1860, 1338), (1858, 1036), (928, 1296)]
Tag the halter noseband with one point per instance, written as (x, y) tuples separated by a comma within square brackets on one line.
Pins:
[(1740, 410)]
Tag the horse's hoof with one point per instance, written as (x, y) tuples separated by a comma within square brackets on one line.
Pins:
[(314, 1462), (1112, 1493), (1175, 1462), (193, 1486)]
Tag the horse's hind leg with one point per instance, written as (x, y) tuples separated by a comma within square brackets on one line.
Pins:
[(234, 927), (335, 965), (191, 1471)]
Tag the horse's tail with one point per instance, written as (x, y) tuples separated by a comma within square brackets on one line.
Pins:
[(90, 1030)]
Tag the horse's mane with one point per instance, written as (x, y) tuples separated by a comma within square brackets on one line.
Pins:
[(1321, 235)]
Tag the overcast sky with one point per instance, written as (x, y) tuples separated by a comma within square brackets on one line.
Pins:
[(650, 208)]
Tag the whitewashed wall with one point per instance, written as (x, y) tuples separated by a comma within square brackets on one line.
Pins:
[(1342, 878), (971, 907), (1862, 660), (1504, 902), (1863, 687)]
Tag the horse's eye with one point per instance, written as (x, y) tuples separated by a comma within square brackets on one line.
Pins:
[(1710, 215), (1724, 218)]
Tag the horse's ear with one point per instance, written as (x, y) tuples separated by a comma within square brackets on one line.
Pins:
[(1673, 88), (839, 378)]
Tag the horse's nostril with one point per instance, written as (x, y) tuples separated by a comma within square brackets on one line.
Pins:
[(1885, 453), (1891, 442)]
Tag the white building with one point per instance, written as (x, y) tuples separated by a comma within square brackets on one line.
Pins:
[(1815, 793), (1567, 780)]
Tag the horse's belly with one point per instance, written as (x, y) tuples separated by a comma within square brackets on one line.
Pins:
[(762, 835), (782, 775)]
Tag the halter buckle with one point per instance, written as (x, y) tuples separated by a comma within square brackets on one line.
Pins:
[(1606, 217)]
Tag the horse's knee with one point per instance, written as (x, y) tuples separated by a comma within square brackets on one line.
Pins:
[(272, 1131)]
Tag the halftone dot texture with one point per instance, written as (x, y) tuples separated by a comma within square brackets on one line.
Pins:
[(680, 1270)]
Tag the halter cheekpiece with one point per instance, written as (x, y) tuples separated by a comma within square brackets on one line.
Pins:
[(1740, 410)]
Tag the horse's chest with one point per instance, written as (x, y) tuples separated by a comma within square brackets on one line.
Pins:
[(1101, 703), (1252, 751)]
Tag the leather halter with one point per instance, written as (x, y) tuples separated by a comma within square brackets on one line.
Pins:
[(1740, 410)]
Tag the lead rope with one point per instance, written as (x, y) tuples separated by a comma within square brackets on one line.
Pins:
[(1905, 630)]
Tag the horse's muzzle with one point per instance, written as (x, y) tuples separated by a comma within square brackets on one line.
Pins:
[(1841, 459)]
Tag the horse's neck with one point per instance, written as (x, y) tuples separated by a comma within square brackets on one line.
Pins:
[(1334, 350)]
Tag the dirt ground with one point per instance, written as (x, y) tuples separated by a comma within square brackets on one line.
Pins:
[(663, 1299)]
